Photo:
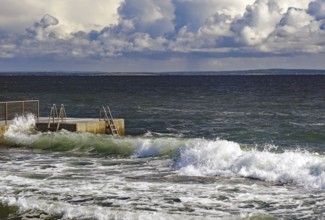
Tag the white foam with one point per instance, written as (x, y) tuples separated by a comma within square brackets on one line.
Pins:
[(228, 159), (66, 181), (22, 124), (196, 156), (21, 130), (68, 211), (149, 147), (158, 134)]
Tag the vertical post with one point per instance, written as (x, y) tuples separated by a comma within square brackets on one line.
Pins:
[(37, 110), (22, 108), (6, 113)]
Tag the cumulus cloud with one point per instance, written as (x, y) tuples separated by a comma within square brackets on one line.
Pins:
[(297, 32), (317, 9), (258, 22), (107, 29), (193, 14), (279, 27), (40, 30), (154, 17), (74, 15)]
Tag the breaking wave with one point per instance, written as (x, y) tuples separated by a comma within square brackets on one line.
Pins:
[(226, 158), (22, 134), (190, 156)]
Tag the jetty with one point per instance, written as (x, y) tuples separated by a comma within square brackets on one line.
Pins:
[(58, 120)]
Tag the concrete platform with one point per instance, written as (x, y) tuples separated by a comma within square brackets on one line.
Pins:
[(89, 125), (9, 110)]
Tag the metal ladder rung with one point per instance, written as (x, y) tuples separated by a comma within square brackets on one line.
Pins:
[(56, 118), (109, 121)]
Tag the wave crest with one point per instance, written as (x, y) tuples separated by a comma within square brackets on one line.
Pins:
[(192, 156), (226, 158)]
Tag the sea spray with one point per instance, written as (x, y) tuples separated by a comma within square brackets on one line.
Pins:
[(23, 124), (21, 131), (207, 158)]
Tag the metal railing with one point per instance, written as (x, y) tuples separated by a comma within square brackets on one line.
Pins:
[(54, 117), (10, 110), (109, 120)]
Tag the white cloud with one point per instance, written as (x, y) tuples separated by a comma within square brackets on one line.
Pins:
[(83, 15), (111, 29), (154, 17), (193, 13), (74, 15), (296, 18), (297, 32), (317, 9), (285, 5), (42, 30), (258, 22)]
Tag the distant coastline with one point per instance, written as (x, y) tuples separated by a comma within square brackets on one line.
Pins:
[(257, 72)]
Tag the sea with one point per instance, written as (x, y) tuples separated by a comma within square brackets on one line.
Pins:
[(197, 146)]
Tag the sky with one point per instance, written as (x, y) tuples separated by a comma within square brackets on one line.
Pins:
[(161, 35)]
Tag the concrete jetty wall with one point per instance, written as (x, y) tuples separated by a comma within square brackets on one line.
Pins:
[(83, 125), (94, 126), (99, 127), (3, 129), (9, 110)]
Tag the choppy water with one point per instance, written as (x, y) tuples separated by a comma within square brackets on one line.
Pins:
[(209, 147)]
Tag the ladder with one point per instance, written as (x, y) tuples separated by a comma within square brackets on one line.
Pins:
[(62, 116), (55, 117), (109, 121)]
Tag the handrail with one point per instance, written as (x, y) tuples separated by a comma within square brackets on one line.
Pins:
[(19, 108), (19, 101), (112, 123), (61, 116), (57, 118), (53, 115), (108, 120), (109, 111)]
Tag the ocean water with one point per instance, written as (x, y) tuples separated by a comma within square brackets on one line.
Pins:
[(197, 147)]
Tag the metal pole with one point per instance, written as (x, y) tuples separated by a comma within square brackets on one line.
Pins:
[(6, 112), (37, 110), (23, 108)]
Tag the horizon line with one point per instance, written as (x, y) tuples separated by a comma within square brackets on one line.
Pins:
[(272, 71)]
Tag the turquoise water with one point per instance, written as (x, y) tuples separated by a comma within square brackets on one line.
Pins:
[(197, 147)]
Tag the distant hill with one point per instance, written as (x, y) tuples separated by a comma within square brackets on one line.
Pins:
[(185, 73)]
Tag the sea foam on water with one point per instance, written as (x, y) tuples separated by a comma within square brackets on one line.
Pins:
[(226, 158), (192, 156)]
